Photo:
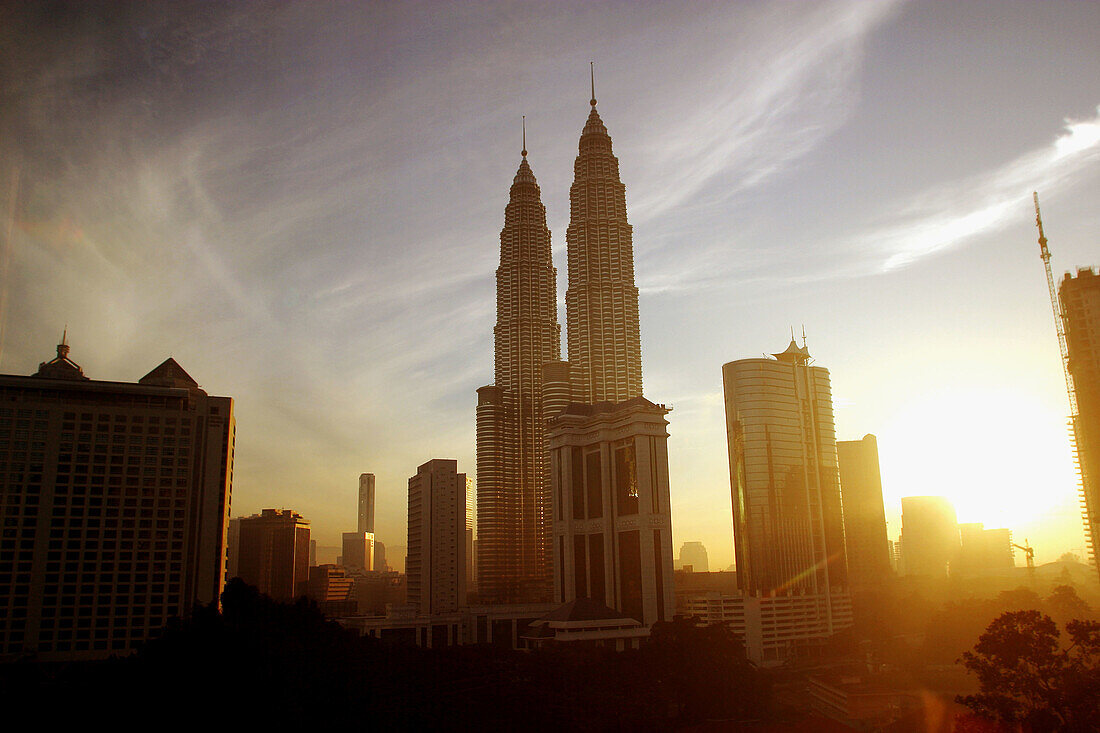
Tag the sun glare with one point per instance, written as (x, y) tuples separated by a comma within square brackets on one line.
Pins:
[(988, 452)]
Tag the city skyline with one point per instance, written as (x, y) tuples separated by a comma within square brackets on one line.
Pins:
[(288, 217)]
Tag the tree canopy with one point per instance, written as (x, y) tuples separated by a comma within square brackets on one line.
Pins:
[(1029, 677)]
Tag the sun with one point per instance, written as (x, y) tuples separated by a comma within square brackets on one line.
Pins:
[(1001, 457)]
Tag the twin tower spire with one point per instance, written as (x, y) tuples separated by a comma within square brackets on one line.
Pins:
[(532, 384)]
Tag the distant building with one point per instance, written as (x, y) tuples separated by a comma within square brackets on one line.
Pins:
[(788, 525), (114, 500), (233, 544), (274, 553), (694, 555), (1080, 301), (380, 565), (332, 589), (929, 536), (612, 514), (868, 549), (312, 552), (436, 563), (374, 592), (366, 502), (984, 550), (358, 551)]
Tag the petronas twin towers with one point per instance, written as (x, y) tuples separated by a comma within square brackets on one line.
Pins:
[(532, 384)]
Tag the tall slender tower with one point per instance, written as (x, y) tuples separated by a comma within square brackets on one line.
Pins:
[(601, 302), (513, 489)]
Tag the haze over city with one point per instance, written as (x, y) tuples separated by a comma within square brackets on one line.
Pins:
[(301, 204)]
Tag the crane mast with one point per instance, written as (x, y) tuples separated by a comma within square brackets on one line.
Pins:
[(1044, 253)]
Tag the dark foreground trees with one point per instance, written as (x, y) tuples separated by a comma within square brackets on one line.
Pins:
[(264, 663), (1028, 677)]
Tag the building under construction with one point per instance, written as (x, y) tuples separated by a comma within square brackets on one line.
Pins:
[(1077, 320), (1080, 299)]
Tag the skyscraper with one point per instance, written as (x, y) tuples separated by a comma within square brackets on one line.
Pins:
[(274, 553), (513, 489), (868, 548), (114, 501), (366, 502), (436, 563), (787, 519), (601, 302), (929, 536), (1080, 300)]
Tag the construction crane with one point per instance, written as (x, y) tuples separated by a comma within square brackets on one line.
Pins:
[(1084, 480), (1029, 553), (1059, 326)]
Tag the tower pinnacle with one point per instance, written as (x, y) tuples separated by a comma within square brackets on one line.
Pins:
[(524, 123), (592, 74)]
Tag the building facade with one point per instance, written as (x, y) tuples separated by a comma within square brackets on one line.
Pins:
[(366, 503), (513, 489), (612, 514), (788, 527), (787, 519), (864, 515), (1080, 301), (274, 553), (436, 561), (115, 501)]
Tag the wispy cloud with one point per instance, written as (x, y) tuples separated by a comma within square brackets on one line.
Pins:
[(771, 105), (947, 216)]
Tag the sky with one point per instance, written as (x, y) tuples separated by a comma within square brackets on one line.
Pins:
[(301, 203)]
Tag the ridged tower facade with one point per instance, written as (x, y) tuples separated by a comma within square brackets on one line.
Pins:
[(601, 302), (513, 488)]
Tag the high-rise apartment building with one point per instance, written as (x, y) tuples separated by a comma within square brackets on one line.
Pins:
[(601, 301), (114, 498), (274, 553), (929, 536), (366, 503), (612, 514), (868, 548), (787, 520), (513, 489), (1080, 300), (436, 560)]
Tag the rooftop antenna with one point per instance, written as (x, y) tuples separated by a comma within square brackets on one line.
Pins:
[(592, 73), (792, 332), (803, 335), (524, 123)]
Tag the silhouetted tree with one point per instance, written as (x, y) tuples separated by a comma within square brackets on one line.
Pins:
[(1026, 678), (1064, 604), (703, 671)]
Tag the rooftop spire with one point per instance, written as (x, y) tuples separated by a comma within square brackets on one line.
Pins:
[(592, 74), (524, 123)]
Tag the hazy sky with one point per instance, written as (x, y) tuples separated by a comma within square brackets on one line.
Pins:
[(301, 203)]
